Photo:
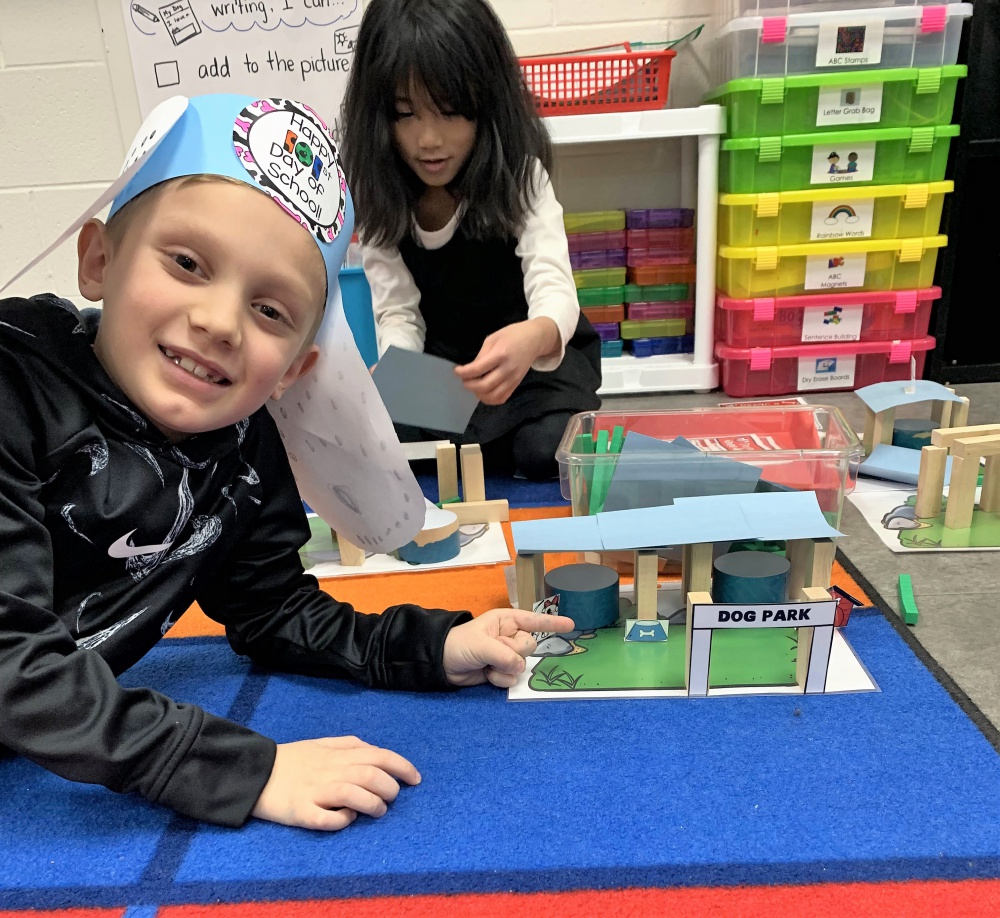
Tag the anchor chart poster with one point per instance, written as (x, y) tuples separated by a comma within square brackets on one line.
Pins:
[(297, 49)]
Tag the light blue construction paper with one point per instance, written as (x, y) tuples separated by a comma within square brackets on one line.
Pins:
[(577, 533), (653, 527), (884, 395), (897, 463), (654, 473), (788, 515), (423, 391)]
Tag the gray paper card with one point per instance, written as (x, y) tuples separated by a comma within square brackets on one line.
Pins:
[(423, 391)]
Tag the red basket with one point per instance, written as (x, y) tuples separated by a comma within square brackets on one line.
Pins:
[(585, 82)]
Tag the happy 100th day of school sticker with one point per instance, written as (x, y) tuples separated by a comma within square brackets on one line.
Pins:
[(287, 149)]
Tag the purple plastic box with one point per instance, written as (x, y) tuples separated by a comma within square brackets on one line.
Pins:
[(659, 218), (608, 331), (582, 261)]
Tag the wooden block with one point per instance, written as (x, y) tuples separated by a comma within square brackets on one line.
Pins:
[(941, 410), (878, 428), (351, 555), (435, 534), (447, 467), (645, 584), (696, 568), (812, 563), (976, 447), (930, 481), (480, 511), (989, 497), (949, 436), (530, 572), (593, 557), (473, 482), (961, 493), (960, 413)]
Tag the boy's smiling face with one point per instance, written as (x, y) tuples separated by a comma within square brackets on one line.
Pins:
[(211, 299)]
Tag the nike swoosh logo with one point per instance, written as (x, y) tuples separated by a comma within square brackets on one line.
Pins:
[(122, 548)]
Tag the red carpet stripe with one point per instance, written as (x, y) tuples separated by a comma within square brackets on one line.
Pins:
[(964, 899)]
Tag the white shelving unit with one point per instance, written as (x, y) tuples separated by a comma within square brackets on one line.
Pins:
[(696, 372)]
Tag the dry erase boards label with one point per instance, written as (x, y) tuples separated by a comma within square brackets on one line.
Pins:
[(847, 219), (849, 105), (834, 323), (833, 272), (827, 372), (850, 42), (838, 164)]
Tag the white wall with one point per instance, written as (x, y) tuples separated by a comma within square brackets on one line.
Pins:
[(70, 111)]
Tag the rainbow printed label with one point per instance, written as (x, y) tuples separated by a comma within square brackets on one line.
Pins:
[(288, 150), (842, 220)]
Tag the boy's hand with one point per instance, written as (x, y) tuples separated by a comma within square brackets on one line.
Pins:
[(505, 358), (325, 783), (493, 646)]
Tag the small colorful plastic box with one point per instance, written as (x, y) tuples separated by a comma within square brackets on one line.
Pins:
[(790, 162), (838, 39), (601, 296), (604, 313), (656, 293), (599, 277), (607, 331), (659, 255), (585, 261), (596, 221), (820, 102), (644, 311), (654, 275), (810, 367), (595, 242), (802, 447), (812, 214), (883, 315), (681, 237), (611, 348), (659, 217), (828, 267), (657, 347), (653, 328)]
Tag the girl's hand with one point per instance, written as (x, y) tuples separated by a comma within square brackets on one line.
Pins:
[(492, 647), (505, 358), (324, 783)]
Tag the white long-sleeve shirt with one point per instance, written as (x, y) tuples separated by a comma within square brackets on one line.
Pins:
[(548, 277)]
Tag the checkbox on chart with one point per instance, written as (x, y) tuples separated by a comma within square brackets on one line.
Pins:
[(167, 73)]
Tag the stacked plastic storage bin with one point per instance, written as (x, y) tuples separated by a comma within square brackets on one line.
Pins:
[(659, 295), (831, 189), (597, 256)]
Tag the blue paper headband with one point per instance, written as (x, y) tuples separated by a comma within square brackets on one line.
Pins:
[(277, 146)]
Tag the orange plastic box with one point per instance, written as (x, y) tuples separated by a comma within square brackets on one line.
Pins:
[(884, 315), (599, 80), (661, 274), (759, 371)]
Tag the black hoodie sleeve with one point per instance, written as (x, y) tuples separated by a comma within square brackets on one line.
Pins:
[(278, 615), (61, 706)]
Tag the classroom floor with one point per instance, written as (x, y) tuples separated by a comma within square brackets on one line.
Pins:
[(958, 631)]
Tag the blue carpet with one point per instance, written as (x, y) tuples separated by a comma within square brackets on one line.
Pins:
[(892, 785), (519, 493)]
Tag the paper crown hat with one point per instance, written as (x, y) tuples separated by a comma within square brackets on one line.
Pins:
[(347, 461)]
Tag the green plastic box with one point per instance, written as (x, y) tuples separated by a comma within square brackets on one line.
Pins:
[(653, 328), (601, 296), (599, 277), (595, 221), (880, 156), (827, 102), (657, 293)]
